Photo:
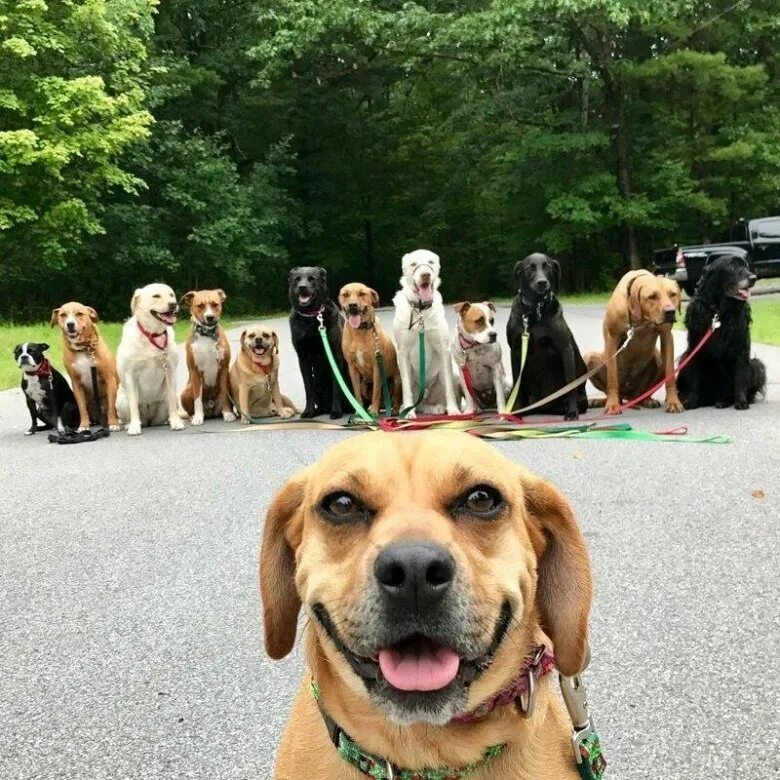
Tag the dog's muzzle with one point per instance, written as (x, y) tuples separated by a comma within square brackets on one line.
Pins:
[(670, 316)]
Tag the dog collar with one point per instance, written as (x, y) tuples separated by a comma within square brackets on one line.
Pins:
[(43, 371), (209, 331), (152, 337), (310, 314), (520, 692), (464, 342), (265, 369), (418, 307)]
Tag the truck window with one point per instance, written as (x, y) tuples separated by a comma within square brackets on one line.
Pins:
[(767, 228)]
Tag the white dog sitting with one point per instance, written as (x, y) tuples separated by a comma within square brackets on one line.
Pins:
[(418, 306), (146, 361), (477, 355)]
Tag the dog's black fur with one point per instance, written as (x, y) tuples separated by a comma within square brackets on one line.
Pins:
[(308, 289), (553, 358), (45, 389), (722, 373)]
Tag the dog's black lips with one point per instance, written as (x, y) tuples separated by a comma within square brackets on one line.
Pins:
[(368, 668)]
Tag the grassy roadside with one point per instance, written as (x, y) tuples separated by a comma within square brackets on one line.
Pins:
[(766, 322)]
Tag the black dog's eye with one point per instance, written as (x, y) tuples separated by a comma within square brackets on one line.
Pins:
[(482, 501), (342, 507)]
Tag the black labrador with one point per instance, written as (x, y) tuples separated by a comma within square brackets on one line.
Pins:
[(310, 300), (722, 373), (553, 358)]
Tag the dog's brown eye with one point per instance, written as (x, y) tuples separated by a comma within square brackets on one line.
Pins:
[(341, 507), (481, 501)]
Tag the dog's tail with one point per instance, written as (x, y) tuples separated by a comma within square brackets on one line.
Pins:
[(757, 380)]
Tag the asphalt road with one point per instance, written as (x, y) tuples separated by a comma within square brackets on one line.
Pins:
[(130, 642)]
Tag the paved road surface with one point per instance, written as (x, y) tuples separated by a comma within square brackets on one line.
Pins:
[(129, 613)]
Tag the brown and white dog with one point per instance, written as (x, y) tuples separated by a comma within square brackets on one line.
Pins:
[(254, 377), (83, 349), (430, 568), (205, 395), (360, 339), (649, 304)]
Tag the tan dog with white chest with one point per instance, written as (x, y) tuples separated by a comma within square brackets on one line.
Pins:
[(361, 338), (254, 377), (205, 395), (432, 570), (83, 350)]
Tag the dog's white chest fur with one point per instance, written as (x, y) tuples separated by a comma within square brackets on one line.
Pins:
[(207, 354), (82, 365), (35, 389)]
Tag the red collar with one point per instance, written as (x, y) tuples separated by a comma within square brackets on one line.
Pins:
[(542, 662), (265, 369), (151, 337), (43, 371), (464, 343)]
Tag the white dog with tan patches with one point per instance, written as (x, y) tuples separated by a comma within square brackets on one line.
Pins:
[(419, 306), (146, 361)]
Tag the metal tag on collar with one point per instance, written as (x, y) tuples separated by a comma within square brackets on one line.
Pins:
[(576, 700), (526, 702), (715, 322), (525, 325), (321, 321)]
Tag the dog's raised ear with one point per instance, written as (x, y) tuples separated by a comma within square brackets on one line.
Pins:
[(134, 300), (462, 307), (43, 346), (281, 537), (222, 295), (556, 275), (374, 296), (55, 315), (186, 299), (490, 306), (635, 301), (564, 585), (93, 315)]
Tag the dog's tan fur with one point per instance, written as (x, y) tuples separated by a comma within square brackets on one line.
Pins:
[(534, 556), (359, 348), (85, 349), (640, 365), (254, 379), (214, 399)]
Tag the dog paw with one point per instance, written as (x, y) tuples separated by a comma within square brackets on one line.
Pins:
[(336, 415), (307, 414), (115, 428), (245, 420), (411, 414), (197, 419), (692, 402), (651, 403), (134, 428), (83, 428), (176, 424), (228, 417), (721, 404), (741, 405), (612, 408), (468, 408), (183, 414), (571, 415), (287, 413), (30, 433), (674, 407)]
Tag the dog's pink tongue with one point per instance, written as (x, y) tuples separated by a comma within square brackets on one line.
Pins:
[(429, 669), (425, 291), (354, 320)]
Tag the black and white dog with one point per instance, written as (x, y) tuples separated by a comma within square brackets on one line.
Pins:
[(553, 358), (310, 300), (48, 395)]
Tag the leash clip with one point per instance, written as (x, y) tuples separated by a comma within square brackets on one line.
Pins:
[(576, 700), (526, 703), (321, 321), (715, 322), (389, 771), (525, 326)]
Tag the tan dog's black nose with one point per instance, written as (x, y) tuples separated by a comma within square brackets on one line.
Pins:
[(414, 576), (670, 315)]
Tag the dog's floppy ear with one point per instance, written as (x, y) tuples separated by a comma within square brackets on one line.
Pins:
[(93, 315), (461, 307), (222, 295), (134, 299), (276, 342), (490, 306), (241, 339), (374, 296), (281, 536), (55, 314), (556, 275), (564, 585), (634, 301), (517, 275), (186, 299)]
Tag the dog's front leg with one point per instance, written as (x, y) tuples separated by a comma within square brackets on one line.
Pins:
[(498, 384), (81, 401), (742, 373), (376, 391), (468, 400), (196, 383), (336, 410), (569, 368), (612, 404), (131, 390), (405, 370), (308, 386), (224, 395), (282, 410), (33, 410), (175, 422), (111, 384), (449, 386), (673, 403)]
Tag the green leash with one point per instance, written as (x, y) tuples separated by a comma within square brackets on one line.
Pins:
[(510, 404), (359, 410), (421, 379)]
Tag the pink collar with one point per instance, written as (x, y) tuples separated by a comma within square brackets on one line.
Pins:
[(152, 337), (541, 663), (464, 342)]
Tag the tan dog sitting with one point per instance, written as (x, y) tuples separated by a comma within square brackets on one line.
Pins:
[(436, 576), (208, 359), (649, 304), (83, 350), (361, 338), (254, 377)]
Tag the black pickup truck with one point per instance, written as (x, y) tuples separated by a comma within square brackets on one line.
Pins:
[(757, 240)]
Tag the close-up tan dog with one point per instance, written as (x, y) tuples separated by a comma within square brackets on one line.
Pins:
[(83, 349), (649, 304), (361, 338), (436, 574), (205, 395), (254, 377)]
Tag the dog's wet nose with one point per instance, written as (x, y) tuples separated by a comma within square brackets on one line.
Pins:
[(425, 277), (541, 285), (71, 326), (173, 307), (209, 318), (414, 576), (670, 315)]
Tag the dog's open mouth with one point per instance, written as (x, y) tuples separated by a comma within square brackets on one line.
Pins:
[(741, 292), (424, 290), (304, 300), (259, 351), (166, 317), (354, 320)]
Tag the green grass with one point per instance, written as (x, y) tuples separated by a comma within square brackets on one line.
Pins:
[(11, 335), (766, 322)]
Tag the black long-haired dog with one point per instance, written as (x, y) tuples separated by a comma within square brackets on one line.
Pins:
[(310, 300), (553, 358), (722, 373)]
